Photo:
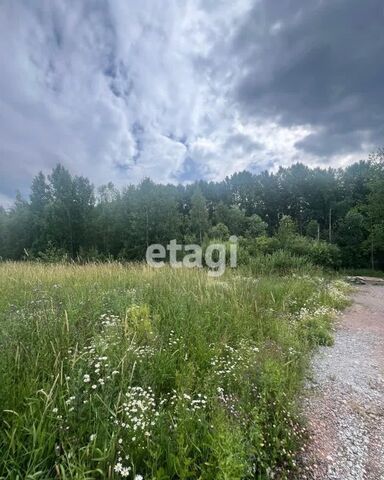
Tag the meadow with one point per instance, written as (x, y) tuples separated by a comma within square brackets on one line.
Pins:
[(122, 371)]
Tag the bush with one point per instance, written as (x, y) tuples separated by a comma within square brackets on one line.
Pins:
[(288, 249), (325, 254), (280, 262), (263, 245), (53, 254), (300, 246), (220, 231)]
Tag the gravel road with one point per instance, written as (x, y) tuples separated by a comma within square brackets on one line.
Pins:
[(344, 400)]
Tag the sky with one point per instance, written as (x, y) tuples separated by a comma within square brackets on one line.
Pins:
[(179, 90)]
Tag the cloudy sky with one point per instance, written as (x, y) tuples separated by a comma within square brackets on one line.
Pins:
[(184, 89)]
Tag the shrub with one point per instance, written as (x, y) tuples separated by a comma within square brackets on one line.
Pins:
[(325, 254), (53, 254), (279, 262)]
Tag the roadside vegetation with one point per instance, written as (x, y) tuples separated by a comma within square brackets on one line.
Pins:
[(116, 371)]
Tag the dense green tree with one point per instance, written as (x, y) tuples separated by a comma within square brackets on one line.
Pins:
[(199, 215), (3, 233), (374, 209), (219, 231), (313, 229), (344, 206), (19, 229), (245, 192), (40, 200), (287, 229), (350, 236), (108, 221), (60, 214), (256, 227), (233, 217), (82, 210)]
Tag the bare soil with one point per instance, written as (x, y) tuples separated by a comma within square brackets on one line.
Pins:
[(344, 400)]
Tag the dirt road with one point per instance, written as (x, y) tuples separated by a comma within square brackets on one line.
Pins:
[(345, 397)]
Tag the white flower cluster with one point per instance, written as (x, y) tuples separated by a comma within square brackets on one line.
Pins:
[(120, 468), (306, 313), (174, 340), (229, 402), (142, 352), (125, 471), (132, 292), (183, 405), (190, 403), (138, 415), (92, 372), (227, 364), (100, 371), (337, 290), (111, 333), (316, 280), (108, 320)]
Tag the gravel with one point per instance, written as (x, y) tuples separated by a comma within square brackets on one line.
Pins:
[(344, 400)]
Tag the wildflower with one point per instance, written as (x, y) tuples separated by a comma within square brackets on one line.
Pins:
[(55, 410), (94, 387), (118, 467), (138, 477), (86, 378), (125, 471)]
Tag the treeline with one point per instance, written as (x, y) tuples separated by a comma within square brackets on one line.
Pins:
[(332, 216)]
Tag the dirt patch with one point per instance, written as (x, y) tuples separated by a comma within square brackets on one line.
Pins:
[(344, 400)]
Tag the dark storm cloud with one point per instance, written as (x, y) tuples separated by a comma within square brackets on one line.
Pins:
[(326, 141), (317, 63)]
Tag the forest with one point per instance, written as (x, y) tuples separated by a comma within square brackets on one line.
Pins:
[(332, 217)]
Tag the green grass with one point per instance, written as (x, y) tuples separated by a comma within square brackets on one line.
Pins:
[(168, 374)]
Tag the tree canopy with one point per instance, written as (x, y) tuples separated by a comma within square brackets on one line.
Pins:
[(65, 213)]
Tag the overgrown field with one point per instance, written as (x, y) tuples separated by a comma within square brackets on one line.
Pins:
[(109, 371)]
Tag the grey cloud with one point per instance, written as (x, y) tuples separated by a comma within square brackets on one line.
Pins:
[(119, 90), (324, 142), (243, 142), (316, 63)]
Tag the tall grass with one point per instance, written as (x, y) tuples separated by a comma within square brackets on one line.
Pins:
[(111, 371), (280, 262)]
